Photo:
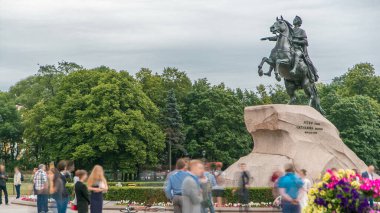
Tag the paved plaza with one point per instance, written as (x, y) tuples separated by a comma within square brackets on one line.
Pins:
[(12, 208)]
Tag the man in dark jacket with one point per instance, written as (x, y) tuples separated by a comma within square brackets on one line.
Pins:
[(243, 182), (3, 185), (81, 192)]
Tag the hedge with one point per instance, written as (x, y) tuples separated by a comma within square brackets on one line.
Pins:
[(156, 194), (153, 184)]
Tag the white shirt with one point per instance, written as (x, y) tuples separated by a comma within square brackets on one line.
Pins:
[(17, 179)]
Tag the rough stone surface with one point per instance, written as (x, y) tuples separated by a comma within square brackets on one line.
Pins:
[(292, 134)]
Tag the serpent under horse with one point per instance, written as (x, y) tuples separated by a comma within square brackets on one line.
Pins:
[(282, 59)]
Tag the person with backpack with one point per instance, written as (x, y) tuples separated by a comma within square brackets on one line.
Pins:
[(17, 180)]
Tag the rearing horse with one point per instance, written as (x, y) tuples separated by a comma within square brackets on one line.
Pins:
[(281, 60)]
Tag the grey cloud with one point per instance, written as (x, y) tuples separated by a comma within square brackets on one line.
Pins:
[(217, 39)]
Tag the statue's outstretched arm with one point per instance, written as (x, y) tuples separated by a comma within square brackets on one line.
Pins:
[(273, 38)]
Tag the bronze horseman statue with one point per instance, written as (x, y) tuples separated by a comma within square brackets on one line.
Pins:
[(290, 60)]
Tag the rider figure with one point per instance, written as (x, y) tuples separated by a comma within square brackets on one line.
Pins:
[(300, 47)]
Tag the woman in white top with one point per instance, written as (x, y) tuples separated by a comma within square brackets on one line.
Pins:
[(305, 189), (17, 181)]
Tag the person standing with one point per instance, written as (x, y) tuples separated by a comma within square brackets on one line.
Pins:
[(191, 189), (206, 187), (369, 174), (3, 185), (289, 186), (76, 179), (63, 174), (173, 190), (41, 189), (305, 189), (97, 185), (17, 181), (81, 192), (219, 188), (56, 187), (243, 178), (212, 183)]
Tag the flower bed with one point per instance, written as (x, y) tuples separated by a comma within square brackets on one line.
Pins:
[(166, 204), (342, 191), (33, 198)]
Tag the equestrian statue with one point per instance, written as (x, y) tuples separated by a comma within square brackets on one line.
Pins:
[(290, 60)]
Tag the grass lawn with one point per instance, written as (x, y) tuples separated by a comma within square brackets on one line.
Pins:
[(26, 189)]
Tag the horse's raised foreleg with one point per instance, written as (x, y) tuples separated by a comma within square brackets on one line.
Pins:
[(265, 59), (291, 90)]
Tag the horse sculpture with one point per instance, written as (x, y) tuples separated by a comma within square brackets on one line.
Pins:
[(281, 60)]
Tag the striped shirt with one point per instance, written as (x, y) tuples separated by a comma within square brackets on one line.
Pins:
[(40, 180)]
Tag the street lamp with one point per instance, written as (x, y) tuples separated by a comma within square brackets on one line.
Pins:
[(204, 155), (170, 156)]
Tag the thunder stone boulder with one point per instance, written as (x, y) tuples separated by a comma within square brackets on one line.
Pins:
[(292, 134)]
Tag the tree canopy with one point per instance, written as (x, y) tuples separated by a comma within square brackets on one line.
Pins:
[(111, 117)]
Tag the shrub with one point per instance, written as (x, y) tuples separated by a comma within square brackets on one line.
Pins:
[(257, 194), (156, 194), (146, 184)]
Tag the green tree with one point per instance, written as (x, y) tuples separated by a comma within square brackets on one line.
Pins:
[(97, 116), (213, 116), (10, 129), (153, 86), (278, 94), (361, 80), (358, 119), (157, 86), (173, 128), (178, 81), (28, 92), (263, 94), (31, 90)]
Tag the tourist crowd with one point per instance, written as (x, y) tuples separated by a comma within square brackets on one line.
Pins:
[(53, 181), (50, 181), (192, 186), (292, 187)]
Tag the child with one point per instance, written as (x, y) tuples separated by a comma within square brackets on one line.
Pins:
[(81, 192)]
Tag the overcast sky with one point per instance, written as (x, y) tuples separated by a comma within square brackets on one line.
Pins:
[(214, 39)]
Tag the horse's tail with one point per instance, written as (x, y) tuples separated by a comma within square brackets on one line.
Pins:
[(316, 104)]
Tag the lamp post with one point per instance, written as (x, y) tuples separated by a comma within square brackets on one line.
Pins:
[(170, 156), (204, 155)]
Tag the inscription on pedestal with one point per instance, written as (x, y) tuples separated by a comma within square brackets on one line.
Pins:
[(310, 127)]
